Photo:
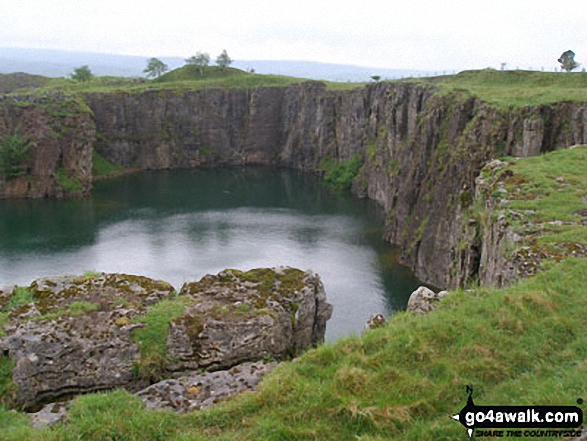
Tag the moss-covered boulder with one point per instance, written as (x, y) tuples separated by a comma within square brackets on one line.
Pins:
[(69, 335), (244, 316)]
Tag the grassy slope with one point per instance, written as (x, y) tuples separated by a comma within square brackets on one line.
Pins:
[(15, 81), (515, 88), (522, 345), (540, 198), (184, 78)]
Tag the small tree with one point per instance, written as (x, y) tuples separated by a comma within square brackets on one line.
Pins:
[(12, 155), (155, 68), (567, 61), (223, 60), (201, 60), (82, 74), (376, 77)]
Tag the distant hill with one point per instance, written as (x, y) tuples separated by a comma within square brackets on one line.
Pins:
[(58, 63)]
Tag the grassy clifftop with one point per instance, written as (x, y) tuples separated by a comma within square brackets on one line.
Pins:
[(525, 344), (501, 88), (184, 78), (515, 88)]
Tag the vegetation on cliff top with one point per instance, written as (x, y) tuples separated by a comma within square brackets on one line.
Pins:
[(182, 79), (550, 190), (14, 81), (514, 88), (544, 200), (525, 344)]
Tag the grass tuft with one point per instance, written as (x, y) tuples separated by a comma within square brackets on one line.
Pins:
[(101, 167), (152, 339)]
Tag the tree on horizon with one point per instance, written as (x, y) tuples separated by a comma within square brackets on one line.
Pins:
[(82, 74), (155, 68), (200, 60), (223, 60), (567, 61)]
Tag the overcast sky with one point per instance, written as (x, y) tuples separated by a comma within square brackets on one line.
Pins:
[(410, 34)]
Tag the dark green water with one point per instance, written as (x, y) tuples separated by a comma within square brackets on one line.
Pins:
[(178, 226)]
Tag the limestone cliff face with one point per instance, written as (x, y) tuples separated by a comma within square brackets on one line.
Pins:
[(61, 133), (421, 150)]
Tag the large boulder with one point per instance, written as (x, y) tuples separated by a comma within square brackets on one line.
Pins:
[(75, 335), (70, 335), (424, 300), (240, 316)]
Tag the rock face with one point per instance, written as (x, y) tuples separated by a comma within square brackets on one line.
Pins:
[(421, 150), (70, 335), (61, 132), (424, 300), (245, 316)]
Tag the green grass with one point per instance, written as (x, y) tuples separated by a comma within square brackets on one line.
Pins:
[(7, 387), (101, 167), (502, 88), (152, 339), (115, 416), (20, 296), (182, 79), (505, 89), (533, 186), (521, 345), (14, 81), (179, 80), (514, 88), (67, 182), (73, 310)]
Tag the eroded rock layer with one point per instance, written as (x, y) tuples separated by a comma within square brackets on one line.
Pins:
[(70, 335)]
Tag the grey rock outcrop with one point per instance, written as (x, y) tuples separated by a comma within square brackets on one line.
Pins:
[(77, 333), (244, 316), (49, 415), (76, 336), (198, 391), (374, 321), (424, 300), (61, 133)]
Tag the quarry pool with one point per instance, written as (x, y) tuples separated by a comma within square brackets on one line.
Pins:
[(180, 225)]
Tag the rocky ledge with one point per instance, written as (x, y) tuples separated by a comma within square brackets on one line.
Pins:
[(68, 335)]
